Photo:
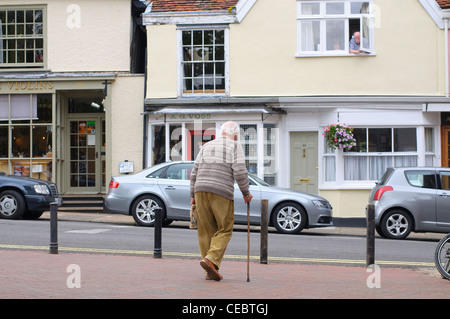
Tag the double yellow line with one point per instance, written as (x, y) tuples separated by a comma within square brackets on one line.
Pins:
[(236, 257)]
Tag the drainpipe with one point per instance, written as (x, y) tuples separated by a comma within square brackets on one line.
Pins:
[(446, 59)]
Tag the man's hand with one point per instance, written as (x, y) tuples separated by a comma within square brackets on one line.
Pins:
[(248, 198), (192, 201)]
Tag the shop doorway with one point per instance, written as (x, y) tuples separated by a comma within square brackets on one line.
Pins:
[(84, 144), (195, 141), (304, 162), (85, 147)]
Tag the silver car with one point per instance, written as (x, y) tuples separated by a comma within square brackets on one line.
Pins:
[(167, 186), (412, 199)]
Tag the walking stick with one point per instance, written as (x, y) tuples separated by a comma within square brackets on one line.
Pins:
[(248, 242)]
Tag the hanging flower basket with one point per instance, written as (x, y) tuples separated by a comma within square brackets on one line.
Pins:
[(339, 136)]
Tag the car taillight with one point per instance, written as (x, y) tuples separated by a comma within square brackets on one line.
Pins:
[(113, 184), (381, 191)]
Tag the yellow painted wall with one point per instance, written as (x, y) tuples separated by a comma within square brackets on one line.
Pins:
[(263, 47), (162, 61), (86, 35), (409, 55), (127, 133), (348, 202)]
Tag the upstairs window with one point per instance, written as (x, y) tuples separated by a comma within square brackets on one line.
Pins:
[(203, 64), (22, 35), (334, 27)]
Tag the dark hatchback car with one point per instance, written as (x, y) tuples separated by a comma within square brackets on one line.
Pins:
[(23, 197)]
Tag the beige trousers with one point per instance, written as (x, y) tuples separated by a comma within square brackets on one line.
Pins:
[(214, 225)]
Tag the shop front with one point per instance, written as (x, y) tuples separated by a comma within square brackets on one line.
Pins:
[(53, 128), (178, 134)]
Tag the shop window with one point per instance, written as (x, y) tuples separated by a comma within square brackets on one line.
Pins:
[(203, 62), (265, 167), (429, 146), (387, 147), (22, 36), (270, 154), (328, 27), (158, 144), (3, 141), (176, 142), (26, 135), (249, 140)]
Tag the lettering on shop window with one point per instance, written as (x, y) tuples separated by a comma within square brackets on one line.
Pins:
[(27, 85), (194, 116)]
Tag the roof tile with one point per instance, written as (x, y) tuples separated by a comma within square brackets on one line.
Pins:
[(192, 5), (444, 4)]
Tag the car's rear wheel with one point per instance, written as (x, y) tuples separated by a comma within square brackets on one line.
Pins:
[(143, 210), (289, 218), (12, 205), (396, 224)]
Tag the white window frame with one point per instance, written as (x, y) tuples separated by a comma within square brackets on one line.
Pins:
[(5, 66), (322, 18), (180, 70), (336, 159)]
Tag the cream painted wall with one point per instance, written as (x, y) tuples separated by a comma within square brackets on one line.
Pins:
[(409, 55), (162, 61), (127, 133), (348, 202), (79, 34)]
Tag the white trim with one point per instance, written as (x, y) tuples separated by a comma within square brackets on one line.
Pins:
[(434, 10), (242, 8)]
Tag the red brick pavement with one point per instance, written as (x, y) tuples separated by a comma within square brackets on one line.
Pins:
[(38, 274)]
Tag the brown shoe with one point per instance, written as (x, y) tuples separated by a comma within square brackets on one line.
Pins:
[(211, 271)]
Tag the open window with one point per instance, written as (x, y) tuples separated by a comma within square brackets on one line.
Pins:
[(328, 27)]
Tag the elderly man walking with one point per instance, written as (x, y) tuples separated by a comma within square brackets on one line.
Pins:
[(219, 163)]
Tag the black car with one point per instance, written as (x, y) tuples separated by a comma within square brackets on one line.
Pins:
[(23, 197)]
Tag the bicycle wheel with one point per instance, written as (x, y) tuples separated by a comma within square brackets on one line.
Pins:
[(442, 257)]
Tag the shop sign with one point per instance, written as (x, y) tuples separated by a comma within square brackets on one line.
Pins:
[(192, 116), (26, 86)]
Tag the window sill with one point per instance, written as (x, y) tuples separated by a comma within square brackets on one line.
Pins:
[(24, 69), (327, 55)]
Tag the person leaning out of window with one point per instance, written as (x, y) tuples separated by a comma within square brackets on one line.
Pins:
[(355, 42)]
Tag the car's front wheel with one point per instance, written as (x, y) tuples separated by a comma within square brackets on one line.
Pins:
[(289, 218), (12, 205), (143, 210), (396, 224)]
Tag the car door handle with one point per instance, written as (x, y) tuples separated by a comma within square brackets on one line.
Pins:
[(445, 195), (170, 188)]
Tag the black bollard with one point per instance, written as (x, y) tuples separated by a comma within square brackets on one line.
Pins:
[(370, 249), (157, 251), (54, 228), (264, 231)]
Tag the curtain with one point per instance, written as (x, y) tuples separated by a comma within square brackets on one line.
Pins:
[(307, 34), (356, 168)]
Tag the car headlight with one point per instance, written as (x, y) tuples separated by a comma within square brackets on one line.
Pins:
[(41, 189), (320, 203)]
